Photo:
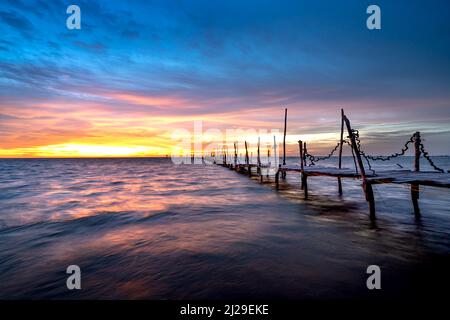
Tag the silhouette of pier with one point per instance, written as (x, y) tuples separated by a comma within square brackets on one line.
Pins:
[(362, 170)]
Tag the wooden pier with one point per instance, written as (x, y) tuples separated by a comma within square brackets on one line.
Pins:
[(369, 177)]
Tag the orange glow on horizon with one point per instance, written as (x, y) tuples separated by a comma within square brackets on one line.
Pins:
[(59, 128)]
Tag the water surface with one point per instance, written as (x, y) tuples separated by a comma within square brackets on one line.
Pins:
[(147, 229)]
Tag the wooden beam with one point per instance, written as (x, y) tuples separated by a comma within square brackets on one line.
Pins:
[(304, 175), (355, 148), (340, 150), (300, 147), (235, 153), (258, 159), (367, 186), (415, 189), (284, 136), (247, 161), (275, 154)]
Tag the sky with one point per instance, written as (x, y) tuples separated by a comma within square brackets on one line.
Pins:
[(138, 71)]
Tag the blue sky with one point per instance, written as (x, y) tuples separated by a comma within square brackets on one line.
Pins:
[(230, 63)]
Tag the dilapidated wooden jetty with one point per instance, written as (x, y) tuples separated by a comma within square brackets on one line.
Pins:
[(362, 170)]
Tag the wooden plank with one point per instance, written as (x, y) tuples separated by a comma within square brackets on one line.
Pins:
[(433, 178)]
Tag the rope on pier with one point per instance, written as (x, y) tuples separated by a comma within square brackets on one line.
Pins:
[(361, 152), (313, 159), (426, 156), (395, 155)]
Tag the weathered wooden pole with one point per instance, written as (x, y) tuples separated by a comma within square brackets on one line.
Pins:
[(284, 136), (417, 143), (235, 154), (415, 187), (367, 186), (305, 151), (341, 143), (284, 142), (354, 160), (246, 153), (300, 147), (275, 154), (224, 156), (258, 159), (247, 160), (277, 168), (304, 175), (268, 162)]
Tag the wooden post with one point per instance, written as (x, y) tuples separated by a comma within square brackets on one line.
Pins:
[(224, 156), (268, 162), (284, 137), (417, 151), (277, 173), (275, 155), (304, 175), (246, 153), (414, 186), (354, 160), (355, 147), (367, 186), (247, 160), (258, 159), (277, 177), (283, 173), (305, 184), (340, 150), (300, 147), (235, 154), (305, 151)]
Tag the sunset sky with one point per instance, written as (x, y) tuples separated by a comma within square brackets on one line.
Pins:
[(136, 72)]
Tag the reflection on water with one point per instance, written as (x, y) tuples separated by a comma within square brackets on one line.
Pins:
[(144, 228)]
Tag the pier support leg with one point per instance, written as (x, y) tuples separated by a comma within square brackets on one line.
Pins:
[(277, 178), (340, 186), (249, 171), (305, 185), (368, 190), (302, 181), (415, 199)]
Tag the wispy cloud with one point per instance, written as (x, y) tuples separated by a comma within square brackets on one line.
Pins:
[(147, 68)]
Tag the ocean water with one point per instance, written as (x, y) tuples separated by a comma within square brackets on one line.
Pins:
[(148, 229)]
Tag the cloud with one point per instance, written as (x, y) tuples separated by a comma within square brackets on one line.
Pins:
[(163, 64), (17, 22)]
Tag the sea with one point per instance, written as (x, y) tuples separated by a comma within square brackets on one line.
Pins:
[(146, 228)]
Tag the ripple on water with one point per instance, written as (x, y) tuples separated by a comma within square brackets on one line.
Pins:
[(144, 228)]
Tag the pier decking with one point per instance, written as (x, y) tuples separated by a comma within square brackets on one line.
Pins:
[(438, 178)]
